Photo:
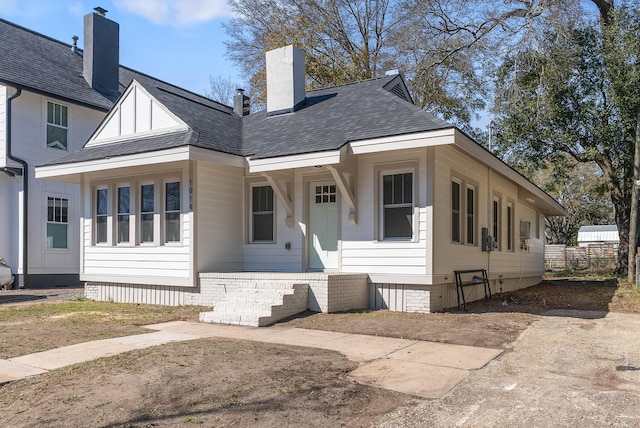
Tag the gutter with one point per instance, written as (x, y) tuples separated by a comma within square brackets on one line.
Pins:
[(24, 172)]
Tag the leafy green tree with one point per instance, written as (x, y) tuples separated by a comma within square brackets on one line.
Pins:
[(561, 97), (579, 188)]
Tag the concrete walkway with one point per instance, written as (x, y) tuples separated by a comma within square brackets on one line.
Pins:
[(424, 369)]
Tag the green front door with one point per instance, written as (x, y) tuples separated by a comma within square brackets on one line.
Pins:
[(323, 226)]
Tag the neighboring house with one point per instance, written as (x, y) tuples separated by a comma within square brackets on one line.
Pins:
[(52, 97), (601, 234), (350, 196)]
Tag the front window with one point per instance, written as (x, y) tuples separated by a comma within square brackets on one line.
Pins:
[(147, 212), (57, 222), (172, 212), (262, 214), (57, 126), (101, 215), (124, 211), (397, 200)]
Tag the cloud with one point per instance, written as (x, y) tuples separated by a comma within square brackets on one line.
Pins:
[(179, 13), (7, 6)]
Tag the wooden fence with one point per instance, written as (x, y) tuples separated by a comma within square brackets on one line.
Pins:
[(593, 256)]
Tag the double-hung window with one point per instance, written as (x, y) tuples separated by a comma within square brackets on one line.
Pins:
[(124, 211), (463, 212), (57, 125), (147, 213), (471, 215), (397, 205), (57, 222), (172, 212), (262, 214), (510, 234), (496, 217), (102, 204), (455, 212)]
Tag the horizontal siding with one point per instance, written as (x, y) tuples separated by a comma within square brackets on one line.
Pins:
[(166, 261), (219, 203), (360, 250), (449, 256)]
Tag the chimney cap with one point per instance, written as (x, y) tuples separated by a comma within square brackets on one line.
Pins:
[(100, 11), (239, 91), (75, 42)]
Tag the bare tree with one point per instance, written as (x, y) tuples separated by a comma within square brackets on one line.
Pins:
[(344, 40), (222, 89)]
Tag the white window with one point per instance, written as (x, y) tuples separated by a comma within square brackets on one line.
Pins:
[(124, 212), (57, 126), (471, 215), (147, 212), (172, 212), (57, 222), (497, 206), (397, 205), (510, 220), (463, 212), (102, 204), (262, 218), (455, 212)]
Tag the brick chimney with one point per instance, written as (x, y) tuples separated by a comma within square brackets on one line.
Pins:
[(241, 104), (285, 80), (101, 62)]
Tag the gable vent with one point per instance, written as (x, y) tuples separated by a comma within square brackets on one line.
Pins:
[(397, 90)]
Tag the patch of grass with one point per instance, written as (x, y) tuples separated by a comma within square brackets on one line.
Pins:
[(69, 400), (192, 420)]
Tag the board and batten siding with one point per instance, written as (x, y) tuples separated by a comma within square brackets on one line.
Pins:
[(362, 251), (218, 202)]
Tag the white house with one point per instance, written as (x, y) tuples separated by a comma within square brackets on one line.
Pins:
[(52, 97), (346, 197)]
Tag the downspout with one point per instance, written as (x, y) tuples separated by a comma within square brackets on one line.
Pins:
[(25, 185)]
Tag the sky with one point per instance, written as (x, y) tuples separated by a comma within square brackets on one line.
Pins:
[(178, 41)]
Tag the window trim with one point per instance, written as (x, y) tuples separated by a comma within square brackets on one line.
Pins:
[(251, 186), (130, 213), (496, 221), (510, 225), (465, 184), (47, 222), (135, 184), (473, 215), (395, 169), (95, 215), (459, 212), (67, 128), (153, 213), (165, 211)]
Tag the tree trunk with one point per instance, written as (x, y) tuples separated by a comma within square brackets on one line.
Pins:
[(633, 214)]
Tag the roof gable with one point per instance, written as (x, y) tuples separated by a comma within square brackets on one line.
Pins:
[(136, 114)]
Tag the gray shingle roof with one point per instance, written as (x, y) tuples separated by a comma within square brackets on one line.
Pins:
[(130, 147), (329, 119), (335, 116), (48, 66)]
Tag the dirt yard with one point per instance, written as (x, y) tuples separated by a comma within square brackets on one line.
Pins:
[(236, 383)]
